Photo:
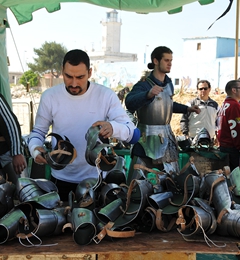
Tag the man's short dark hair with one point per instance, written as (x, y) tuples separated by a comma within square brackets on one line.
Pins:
[(75, 57), (158, 54), (204, 81), (230, 85)]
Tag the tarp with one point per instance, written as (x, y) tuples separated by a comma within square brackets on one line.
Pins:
[(4, 80), (23, 9)]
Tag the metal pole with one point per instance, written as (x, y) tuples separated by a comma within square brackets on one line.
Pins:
[(236, 39)]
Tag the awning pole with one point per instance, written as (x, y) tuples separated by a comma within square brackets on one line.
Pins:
[(236, 39)]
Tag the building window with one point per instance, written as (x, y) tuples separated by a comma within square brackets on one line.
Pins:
[(176, 81), (13, 77), (199, 46)]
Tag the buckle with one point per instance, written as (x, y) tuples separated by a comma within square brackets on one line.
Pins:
[(96, 239)]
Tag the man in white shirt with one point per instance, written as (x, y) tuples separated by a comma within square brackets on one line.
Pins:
[(71, 108)]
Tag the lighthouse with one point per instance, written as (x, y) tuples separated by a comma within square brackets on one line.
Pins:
[(110, 43), (111, 32)]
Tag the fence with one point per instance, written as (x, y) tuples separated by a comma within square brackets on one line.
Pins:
[(25, 113)]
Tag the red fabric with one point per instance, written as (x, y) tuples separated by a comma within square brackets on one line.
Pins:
[(229, 124)]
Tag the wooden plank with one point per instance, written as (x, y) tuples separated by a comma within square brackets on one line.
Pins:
[(148, 256), (148, 245)]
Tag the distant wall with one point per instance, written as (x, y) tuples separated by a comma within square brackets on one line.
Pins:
[(49, 82)]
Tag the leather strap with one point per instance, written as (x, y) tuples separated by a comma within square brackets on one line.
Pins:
[(112, 233), (140, 166), (190, 161), (130, 189), (221, 214)]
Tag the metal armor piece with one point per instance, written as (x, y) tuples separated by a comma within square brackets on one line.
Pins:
[(49, 222), (111, 211), (63, 153), (118, 173), (137, 194), (26, 225), (109, 193), (193, 183), (215, 189), (160, 200), (229, 224), (184, 143), (7, 190), (147, 221), (49, 200), (96, 150), (27, 188), (9, 224), (61, 214), (159, 142), (83, 225), (235, 181), (192, 220), (202, 141), (159, 111), (157, 137), (204, 205), (85, 191)]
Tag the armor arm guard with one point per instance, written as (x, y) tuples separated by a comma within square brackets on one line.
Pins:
[(137, 97), (184, 124)]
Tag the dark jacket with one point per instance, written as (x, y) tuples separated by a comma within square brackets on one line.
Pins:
[(137, 97), (9, 130)]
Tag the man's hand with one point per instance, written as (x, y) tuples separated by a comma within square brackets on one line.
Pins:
[(19, 163), (38, 158), (106, 129), (195, 109), (154, 91)]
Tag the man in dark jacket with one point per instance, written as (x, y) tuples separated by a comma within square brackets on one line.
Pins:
[(152, 100), (11, 150)]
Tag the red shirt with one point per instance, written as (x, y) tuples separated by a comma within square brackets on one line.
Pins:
[(229, 124)]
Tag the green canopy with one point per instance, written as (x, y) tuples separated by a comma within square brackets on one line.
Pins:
[(23, 9)]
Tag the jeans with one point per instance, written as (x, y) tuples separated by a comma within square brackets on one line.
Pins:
[(234, 156)]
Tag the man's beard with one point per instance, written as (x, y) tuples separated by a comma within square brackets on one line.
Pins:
[(74, 90)]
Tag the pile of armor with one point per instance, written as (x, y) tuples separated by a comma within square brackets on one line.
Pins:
[(112, 206)]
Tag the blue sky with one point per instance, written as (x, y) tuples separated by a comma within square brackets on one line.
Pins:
[(77, 25)]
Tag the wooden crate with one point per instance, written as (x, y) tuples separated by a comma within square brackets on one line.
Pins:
[(205, 164)]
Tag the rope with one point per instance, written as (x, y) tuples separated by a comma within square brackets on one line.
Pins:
[(31, 244)]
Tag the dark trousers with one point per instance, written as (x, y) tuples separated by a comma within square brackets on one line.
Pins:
[(64, 188), (234, 156)]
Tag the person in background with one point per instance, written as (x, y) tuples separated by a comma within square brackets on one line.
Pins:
[(72, 108), (229, 123), (12, 157), (152, 99), (191, 123)]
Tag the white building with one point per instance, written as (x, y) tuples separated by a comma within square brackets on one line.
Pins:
[(211, 58)]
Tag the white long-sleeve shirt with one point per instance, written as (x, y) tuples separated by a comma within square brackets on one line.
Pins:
[(72, 116)]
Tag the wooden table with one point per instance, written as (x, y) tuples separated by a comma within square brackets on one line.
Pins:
[(152, 246)]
